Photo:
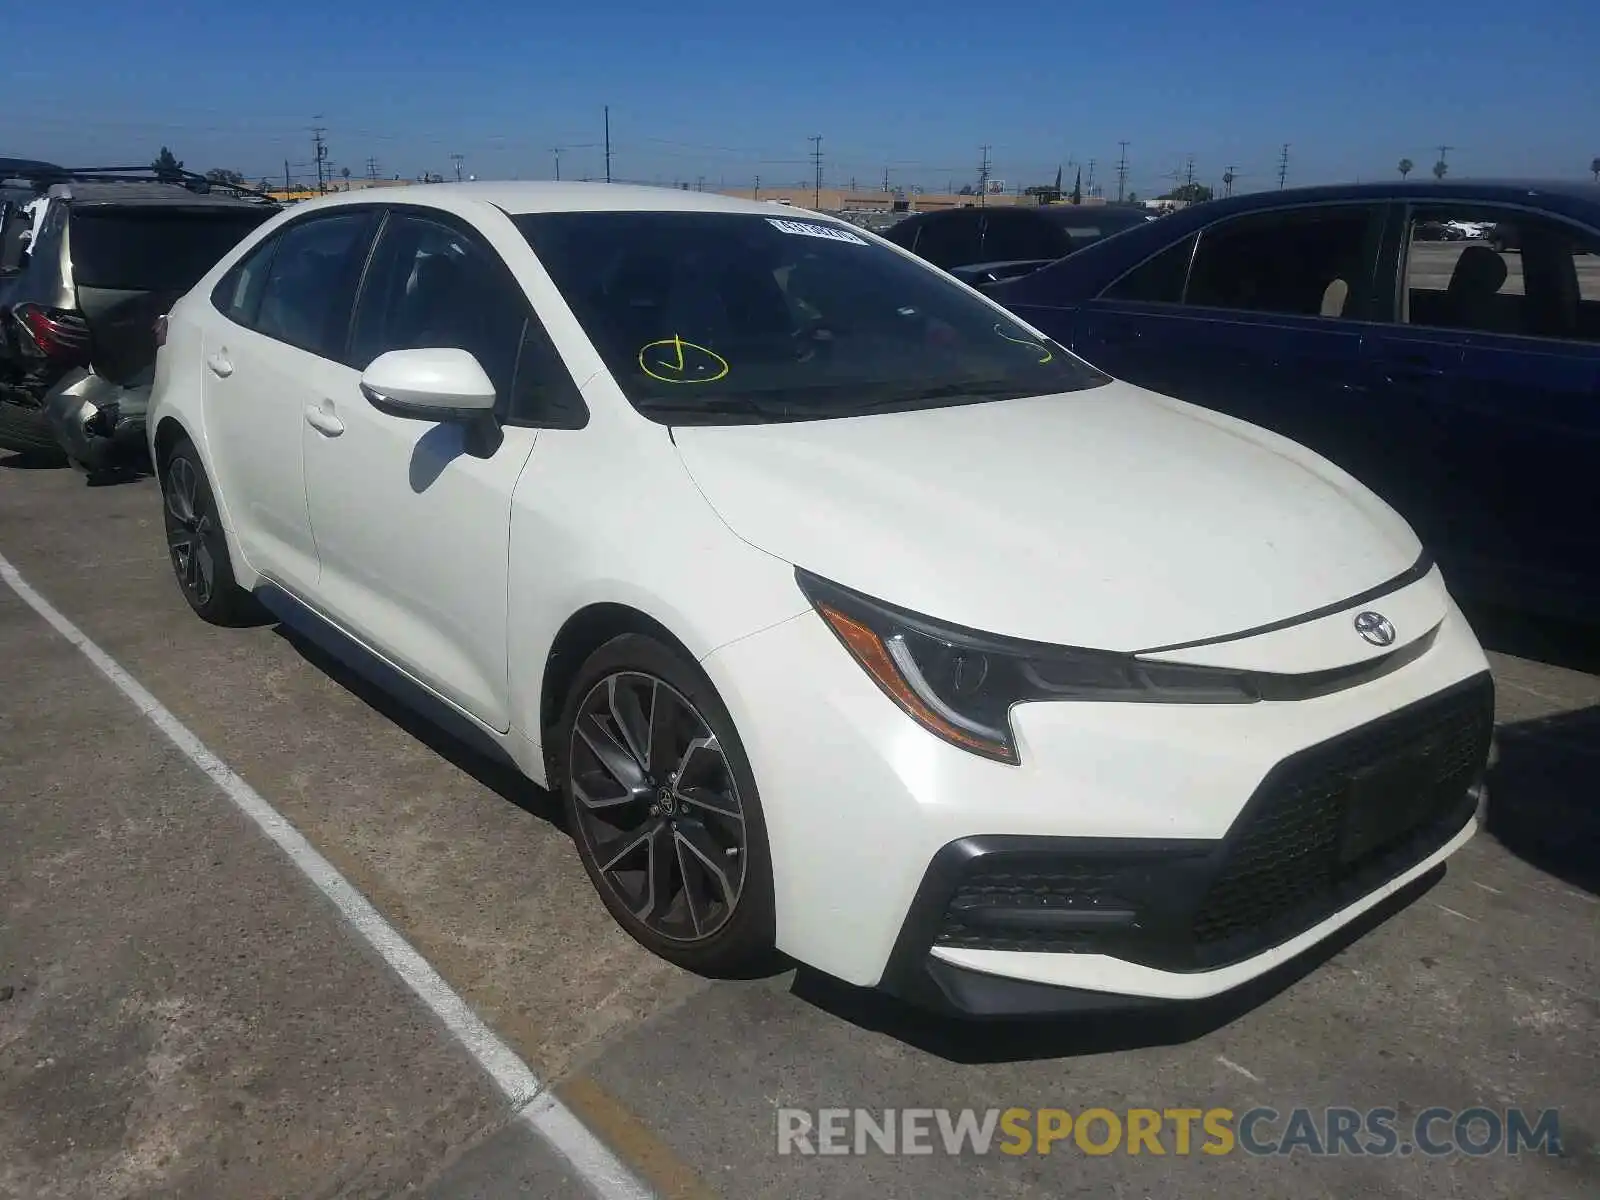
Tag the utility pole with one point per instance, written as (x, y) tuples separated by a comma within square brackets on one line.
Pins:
[(886, 179), (983, 178), (1188, 178), (1227, 181), (608, 143), (319, 147), (556, 150), (372, 167), (1283, 165), (1442, 166), (1092, 162), (457, 160), (756, 195), (286, 174), (816, 176), (700, 183), (1122, 172)]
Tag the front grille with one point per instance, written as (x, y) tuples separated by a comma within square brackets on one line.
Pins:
[(1342, 818), (1327, 826)]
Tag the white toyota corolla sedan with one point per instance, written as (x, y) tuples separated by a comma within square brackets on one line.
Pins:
[(849, 615)]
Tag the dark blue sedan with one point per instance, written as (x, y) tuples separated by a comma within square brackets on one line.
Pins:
[(1458, 378)]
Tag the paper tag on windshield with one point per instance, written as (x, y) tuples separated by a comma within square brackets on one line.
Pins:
[(805, 229)]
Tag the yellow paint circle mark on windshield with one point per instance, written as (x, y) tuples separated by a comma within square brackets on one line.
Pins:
[(673, 360), (1032, 345)]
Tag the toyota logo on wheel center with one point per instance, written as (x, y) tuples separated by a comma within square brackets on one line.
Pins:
[(1375, 628)]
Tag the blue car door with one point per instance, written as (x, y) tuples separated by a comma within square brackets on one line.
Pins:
[(1501, 348), (1259, 317)]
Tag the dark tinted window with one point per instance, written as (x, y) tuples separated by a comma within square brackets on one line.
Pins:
[(155, 249), (237, 295), (1010, 236), (1489, 271), (432, 284), (703, 315), (1158, 280), (310, 286), (951, 239), (1306, 262)]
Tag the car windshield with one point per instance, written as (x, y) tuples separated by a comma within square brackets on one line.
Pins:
[(719, 317)]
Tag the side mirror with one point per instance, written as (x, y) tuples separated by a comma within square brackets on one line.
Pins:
[(442, 385)]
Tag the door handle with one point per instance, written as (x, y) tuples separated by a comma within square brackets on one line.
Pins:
[(323, 422), (221, 365)]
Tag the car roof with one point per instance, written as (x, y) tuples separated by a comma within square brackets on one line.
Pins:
[(517, 199), (142, 193)]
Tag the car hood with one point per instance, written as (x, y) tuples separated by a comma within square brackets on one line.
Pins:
[(1111, 518)]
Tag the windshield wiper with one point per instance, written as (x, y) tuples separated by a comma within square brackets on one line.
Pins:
[(740, 405)]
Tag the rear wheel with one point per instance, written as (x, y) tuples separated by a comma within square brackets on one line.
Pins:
[(196, 543), (663, 807)]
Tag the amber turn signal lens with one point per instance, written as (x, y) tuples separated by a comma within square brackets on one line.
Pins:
[(868, 649)]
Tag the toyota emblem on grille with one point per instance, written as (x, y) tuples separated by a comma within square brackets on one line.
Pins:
[(1376, 628)]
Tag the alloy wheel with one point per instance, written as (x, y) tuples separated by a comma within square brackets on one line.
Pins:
[(189, 530), (657, 806)]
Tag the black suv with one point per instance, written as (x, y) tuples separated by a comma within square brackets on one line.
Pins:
[(78, 314)]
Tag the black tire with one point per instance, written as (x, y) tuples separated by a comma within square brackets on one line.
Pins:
[(26, 431), (741, 944), (196, 544)]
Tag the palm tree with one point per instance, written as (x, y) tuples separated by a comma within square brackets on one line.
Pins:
[(1440, 168), (345, 171), (1406, 167), (1594, 168)]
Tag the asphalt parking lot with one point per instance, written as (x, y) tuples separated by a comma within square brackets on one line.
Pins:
[(181, 1013)]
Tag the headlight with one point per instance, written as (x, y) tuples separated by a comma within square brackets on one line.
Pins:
[(960, 683)]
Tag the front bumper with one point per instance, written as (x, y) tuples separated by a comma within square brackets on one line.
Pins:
[(859, 801), (1008, 925)]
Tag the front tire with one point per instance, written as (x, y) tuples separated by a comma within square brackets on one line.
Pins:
[(663, 807), (196, 544)]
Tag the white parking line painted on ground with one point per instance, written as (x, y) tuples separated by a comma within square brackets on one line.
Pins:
[(605, 1175)]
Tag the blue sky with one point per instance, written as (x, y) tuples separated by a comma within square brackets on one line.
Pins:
[(731, 90)]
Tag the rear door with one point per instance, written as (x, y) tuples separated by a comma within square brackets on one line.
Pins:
[(130, 263), (1501, 350), (1260, 318), (271, 344)]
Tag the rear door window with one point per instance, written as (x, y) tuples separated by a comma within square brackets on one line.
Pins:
[(159, 249), (311, 285), (1157, 280), (1296, 262)]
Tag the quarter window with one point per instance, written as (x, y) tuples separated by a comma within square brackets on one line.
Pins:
[(310, 285), (237, 295), (1157, 280)]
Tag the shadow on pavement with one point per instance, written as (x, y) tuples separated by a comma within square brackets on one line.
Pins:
[(1544, 795), (27, 461), (444, 732), (1542, 639), (1013, 1040)]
